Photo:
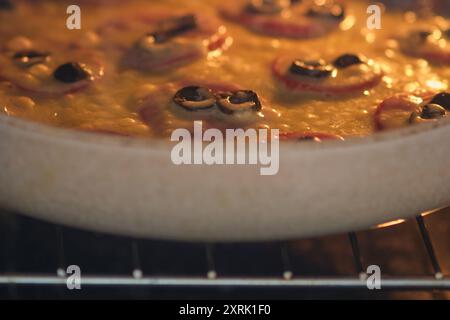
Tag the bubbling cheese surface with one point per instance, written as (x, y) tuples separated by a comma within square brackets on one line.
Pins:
[(111, 104)]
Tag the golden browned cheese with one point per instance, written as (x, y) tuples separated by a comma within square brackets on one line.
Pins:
[(111, 104)]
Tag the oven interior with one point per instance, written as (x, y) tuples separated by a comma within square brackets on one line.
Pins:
[(413, 256)]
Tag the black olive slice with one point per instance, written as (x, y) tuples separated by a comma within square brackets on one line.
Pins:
[(194, 98), (71, 72), (314, 69), (173, 27), (6, 5), (432, 111), (428, 112), (442, 99), (238, 101), (268, 6), (332, 11), (347, 60), (30, 57)]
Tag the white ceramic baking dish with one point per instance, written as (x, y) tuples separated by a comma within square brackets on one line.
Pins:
[(130, 186)]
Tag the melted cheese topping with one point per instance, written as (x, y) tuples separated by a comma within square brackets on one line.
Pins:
[(112, 103)]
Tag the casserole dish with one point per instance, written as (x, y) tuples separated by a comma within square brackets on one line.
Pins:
[(138, 75), (130, 186)]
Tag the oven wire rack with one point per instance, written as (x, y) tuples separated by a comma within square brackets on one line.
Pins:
[(286, 277)]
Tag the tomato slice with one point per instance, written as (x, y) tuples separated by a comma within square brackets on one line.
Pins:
[(416, 43), (162, 115), (366, 77), (46, 84), (159, 112), (296, 24), (394, 112), (187, 47)]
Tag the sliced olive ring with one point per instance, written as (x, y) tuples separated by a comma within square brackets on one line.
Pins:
[(347, 60), (30, 57), (268, 6), (71, 72), (442, 99), (428, 112), (194, 98), (432, 111), (314, 69), (238, 101), (330, 11), (173, 27)]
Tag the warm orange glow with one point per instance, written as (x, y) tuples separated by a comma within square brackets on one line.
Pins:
[(410, 17), (426, 213), (436, 84), (389, 224), (348, 23)]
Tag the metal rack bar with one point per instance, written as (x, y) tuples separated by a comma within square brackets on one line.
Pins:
[(356, 255), (286, 261), (210, 262), (136, 260), (61, 260), (429, 247), (10, 246), (418, 283)]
